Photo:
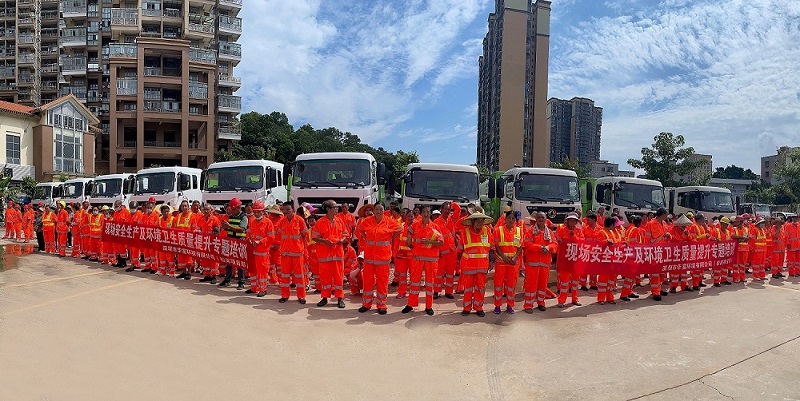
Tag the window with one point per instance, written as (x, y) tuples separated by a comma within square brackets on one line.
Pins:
[(13, 154)]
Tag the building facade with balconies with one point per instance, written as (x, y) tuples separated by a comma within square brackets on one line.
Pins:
[(158, 74)]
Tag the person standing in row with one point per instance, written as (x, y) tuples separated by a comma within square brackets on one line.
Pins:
[(424, 241), (446, 224), (540, 245), (236, 227), (62, 227), (607, 283), (290, 233), (508, 257), (568, 280), (27, 220), (778, 256), (719, 274), (378, 233), (134, 253), (402, 258), (474, 245), (261, 234), (75, 227), (151, 218), (208, 223), (183, 221), (329, 233), (121, 215), (95, 234), (657, 231), (166, 260)]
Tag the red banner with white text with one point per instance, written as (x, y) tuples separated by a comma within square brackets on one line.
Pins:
[(587, 257), (226, 251)]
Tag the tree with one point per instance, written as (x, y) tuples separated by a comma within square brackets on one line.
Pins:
[(403, 159), (667, 157), (734, 172), (571, 164), (28, 186), (483, 172)]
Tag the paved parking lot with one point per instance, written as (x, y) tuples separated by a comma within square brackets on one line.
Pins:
[(73, 330)]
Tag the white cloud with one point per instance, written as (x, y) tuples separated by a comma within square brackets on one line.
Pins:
[(362, 67), (719, 73)]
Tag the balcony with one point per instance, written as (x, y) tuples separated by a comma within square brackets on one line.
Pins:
[(26, 19), (50, 15), (25, 39), (73, 37), (149, 12), (26, 58), (230, 130), (202, 56), (122, 50), (7, 72), (201, 28), (173, 13), (73, 65), (127, 87), (229, 103), (125, 17), (161, 144), (198, 90), (11, 86), (77, 91), (73, 8), (229, 81), (237, 4), (230, 51), (49, 68), (230, 24), (165, 106)]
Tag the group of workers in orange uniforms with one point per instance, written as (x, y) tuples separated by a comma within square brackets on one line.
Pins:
[(19, 222)]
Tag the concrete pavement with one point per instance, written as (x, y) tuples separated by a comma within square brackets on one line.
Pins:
[(73, 330)]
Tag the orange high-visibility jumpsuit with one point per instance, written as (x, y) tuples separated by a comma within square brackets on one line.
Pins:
[(568, 281), (679, 279), (123, 215), (166, 261), (17, 223), (377, 246), (260, 233), (349, 221), (508, 243), (778, 250), (49, 231), (590, 232), (424, 259), (86, 236), (312, 260), (27, 221), (353, 270), (183, 221), (62, 228), (402, 262), (475, 248), (331, 257), (293, 248), (742, 253), (107, 255), (656, 231), (95, 234), (445, 274), (700, 234), (209, 226), (150, 255), (274, 251), (134, 252), (75, 227), (720, 273), (607, 283), (759, 251), (537, 264), (633, 235), (792, 232)]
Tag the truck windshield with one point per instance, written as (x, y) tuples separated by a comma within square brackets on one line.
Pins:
[(438, 184), (547, 187), (235, 178), (642, 195), (73, 190), (332, 173), (155, 183), (107, 188), (42, 192), (761, 210), (718, 202)]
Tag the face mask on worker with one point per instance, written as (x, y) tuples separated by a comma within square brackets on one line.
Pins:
[(95, 212)]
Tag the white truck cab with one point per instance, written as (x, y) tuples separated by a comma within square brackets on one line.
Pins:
[(351, 177), (553, 191), (431, 184), (77, 190), (47, 193), (110, 188), (248, 180), (711, 201), (168, 185), (632, 196)]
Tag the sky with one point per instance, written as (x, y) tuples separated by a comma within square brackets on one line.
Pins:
[(403, 75)]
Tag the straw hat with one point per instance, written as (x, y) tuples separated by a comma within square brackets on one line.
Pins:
[(362, 211), (760, 221), (572, 216), (275, 209), (476, 216), (682, 221), (158, 207)]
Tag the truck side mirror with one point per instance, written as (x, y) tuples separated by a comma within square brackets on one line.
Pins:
[(391, 184), (738, 204), (500, 188), (272, 177), (589, 192), (203, 180), (381, 172), (287, 171), (492, 187)]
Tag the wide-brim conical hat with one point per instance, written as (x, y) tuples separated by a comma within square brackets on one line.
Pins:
[(683, 221), (476, 216)]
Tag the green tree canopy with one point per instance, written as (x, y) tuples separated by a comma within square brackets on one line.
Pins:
[(734, 172), (667, 157), (570, 164)]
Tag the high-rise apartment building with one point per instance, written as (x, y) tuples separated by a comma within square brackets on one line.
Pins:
[(512, 90), (158, 74), (770, 165), (700, 174), (575, 127)]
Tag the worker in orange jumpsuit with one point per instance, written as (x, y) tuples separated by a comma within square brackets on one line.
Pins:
[(166, 260), (347, 218), (49, 229), (120, 249), (721, 233), (275, 215), (539, 245), (458, 226), (591, 227), (86, 237), (634, 234), (312, 260), (260, 233), (402, 258), (107, 253), (353, 267), (9, 219), (18, 227), (134, 253), (183, 221), (290, 233), (329, 233), (793, 246), (657, 230), (62, 227), (208, 223), (27, 220), (607, 283), (679, 232), (75, 227), (378, 232), (778, 257), (424, 241), (759, 250), (95, 234), (446, 224), (742, 235), (151, 218), (568, 280), (699, 232), (508, 258)]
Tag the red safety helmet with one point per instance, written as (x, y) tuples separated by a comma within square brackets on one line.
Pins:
[(258, 206), (152, 199), (235, 202)]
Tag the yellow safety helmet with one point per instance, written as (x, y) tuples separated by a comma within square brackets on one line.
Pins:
[(104, 208), (62, 203)]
